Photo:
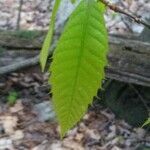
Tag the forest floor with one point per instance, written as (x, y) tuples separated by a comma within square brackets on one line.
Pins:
[(30, 123), (35, 15)]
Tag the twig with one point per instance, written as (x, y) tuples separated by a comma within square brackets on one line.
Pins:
[(19, 15), (120, 10), (26, 63), (17, 66)]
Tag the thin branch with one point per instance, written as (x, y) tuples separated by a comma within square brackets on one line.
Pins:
[(26, 63), (120, 10), (19, 14)]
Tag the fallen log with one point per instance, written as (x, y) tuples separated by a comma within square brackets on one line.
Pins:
[(129, 58), (16, 40), (129, 61)]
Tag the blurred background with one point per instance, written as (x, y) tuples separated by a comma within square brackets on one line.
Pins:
[(35, 14), (113, 121)]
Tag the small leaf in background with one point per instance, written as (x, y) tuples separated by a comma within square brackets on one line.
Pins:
[(12, 97), (146, 123), (78, 63), (48, 39), (73, 1)]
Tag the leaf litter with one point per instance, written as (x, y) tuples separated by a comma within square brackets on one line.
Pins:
[(25, 126)]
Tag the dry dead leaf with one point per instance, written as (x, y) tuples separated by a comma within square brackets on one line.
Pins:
[(18, 135), (17, 107), (79, 137), (9, 123), (6, 144), (92, 134), (72, 145)]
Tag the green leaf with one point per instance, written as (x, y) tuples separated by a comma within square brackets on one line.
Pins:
[(78, 63), (73, 1), (102, 6), (12, 97), (146, 123), (48, 39)]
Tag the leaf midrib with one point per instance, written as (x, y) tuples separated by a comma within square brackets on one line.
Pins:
[(81, 53)]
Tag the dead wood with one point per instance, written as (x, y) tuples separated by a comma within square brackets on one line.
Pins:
[(129, 58)]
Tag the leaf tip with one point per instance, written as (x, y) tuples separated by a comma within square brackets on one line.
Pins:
[(42, 63)]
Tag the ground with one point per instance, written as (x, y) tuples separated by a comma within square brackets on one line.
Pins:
[(30, 123)]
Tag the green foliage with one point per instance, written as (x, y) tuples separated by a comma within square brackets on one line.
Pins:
[(12, 97), (78, 63), (1, 49), (73, 1), (125, 102), (26, 34), (143, 146), (147, 122), (48, 39)]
